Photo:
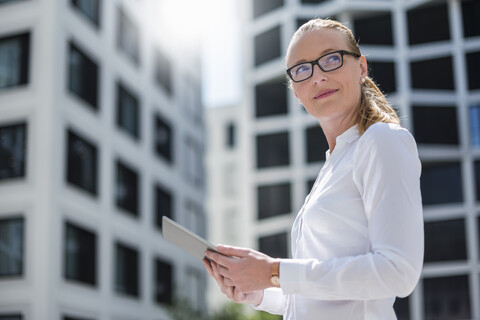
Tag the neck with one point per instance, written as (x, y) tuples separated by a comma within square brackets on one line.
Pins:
[(333, 129)]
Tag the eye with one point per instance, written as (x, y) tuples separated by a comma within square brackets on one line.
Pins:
[(301, 69), (332, 59)]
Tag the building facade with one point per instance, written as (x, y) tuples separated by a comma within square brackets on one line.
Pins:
[(425, 55), (101, 134)]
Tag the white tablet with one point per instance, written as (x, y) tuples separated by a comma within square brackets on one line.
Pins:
[(185, 239)]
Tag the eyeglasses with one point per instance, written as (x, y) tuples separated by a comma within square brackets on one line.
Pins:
[(328, 62)]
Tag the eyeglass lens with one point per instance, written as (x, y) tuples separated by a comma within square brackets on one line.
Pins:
[(327, 63)]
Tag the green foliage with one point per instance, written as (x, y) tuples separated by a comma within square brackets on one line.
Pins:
[(230, 311), (182, 310), (260, 315)]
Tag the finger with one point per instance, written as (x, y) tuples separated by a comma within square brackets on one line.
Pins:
[(233, 251), (220, 258), (230, 292), (228, 282), (219, 278), (224, 272), (208, 267), (216, 275), (238, 296)]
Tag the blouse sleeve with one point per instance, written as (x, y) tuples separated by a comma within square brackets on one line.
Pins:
[(273, 301), (386, 171)]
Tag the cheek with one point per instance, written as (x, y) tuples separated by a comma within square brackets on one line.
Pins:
[(352, 90)]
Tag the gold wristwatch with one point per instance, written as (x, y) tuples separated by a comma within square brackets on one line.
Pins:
[(275, 277)]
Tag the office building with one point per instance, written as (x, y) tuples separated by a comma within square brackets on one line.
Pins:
[(101, 134), (425, 55)]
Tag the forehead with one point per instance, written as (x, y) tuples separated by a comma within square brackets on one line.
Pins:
[(312, 43)]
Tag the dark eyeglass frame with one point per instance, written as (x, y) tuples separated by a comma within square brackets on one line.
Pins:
[(315, 62)]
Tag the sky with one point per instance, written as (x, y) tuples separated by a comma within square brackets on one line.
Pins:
[(217, 22), (221, 62)]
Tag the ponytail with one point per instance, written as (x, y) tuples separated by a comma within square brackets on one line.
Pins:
[(373, 107)]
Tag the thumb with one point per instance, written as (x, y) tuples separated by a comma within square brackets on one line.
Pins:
[(233, 251)]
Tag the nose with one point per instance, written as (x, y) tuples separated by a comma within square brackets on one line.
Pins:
[(318, 75)]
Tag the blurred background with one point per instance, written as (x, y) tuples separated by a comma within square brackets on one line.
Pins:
[(114, 113)]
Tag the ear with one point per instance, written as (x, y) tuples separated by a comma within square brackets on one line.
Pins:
[(363, 67)]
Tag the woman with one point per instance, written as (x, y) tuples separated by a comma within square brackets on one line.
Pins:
[(357, 242)]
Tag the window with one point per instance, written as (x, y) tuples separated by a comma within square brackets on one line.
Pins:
[(428, 24), (260, 7), (163, 138), (274, 245), (163, 71), (267, 46), (128, 37), (374, 29), (271, 98), (445, 240), (316, 144), (163, 205), (75, 318), (441, 182), (163, 286), (402, 308), (313, 1), (475, 124), (273, 200), (127, 189), (383, 73), (477, 179), (14, 60), (435, 74), (447, 298), (90, 9), (193, 161), (127, 271), (83, 76), (194, 218), (80, 249), (473, 64), (82, 163), (10, 316), (470, 13), (301, 22), (310, 184), (11, 247), (195, 289), (13, 151), (435, 125), (273, 150), (6, 1), (478, 229), (128, 111), (231, 135)]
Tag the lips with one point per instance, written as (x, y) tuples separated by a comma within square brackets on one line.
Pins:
[(325, 93)]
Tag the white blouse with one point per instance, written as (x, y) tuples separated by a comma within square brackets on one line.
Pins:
[(357, 242)]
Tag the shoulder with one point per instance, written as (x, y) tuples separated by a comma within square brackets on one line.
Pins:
[(387, 138), (382, 132)]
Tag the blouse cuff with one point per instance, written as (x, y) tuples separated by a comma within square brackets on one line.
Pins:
[(272, 302), (293, 273)]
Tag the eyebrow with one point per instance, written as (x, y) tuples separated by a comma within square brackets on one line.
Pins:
[(321, 54)]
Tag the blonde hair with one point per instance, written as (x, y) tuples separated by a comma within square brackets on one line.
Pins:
[(373, 105)]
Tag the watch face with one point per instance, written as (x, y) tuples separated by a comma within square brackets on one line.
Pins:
[(275, 280)]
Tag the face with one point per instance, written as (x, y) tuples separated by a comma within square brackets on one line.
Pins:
[(328, 96)]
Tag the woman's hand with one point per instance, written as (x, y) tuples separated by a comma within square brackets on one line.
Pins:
[(241, 269), (231, 292)]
